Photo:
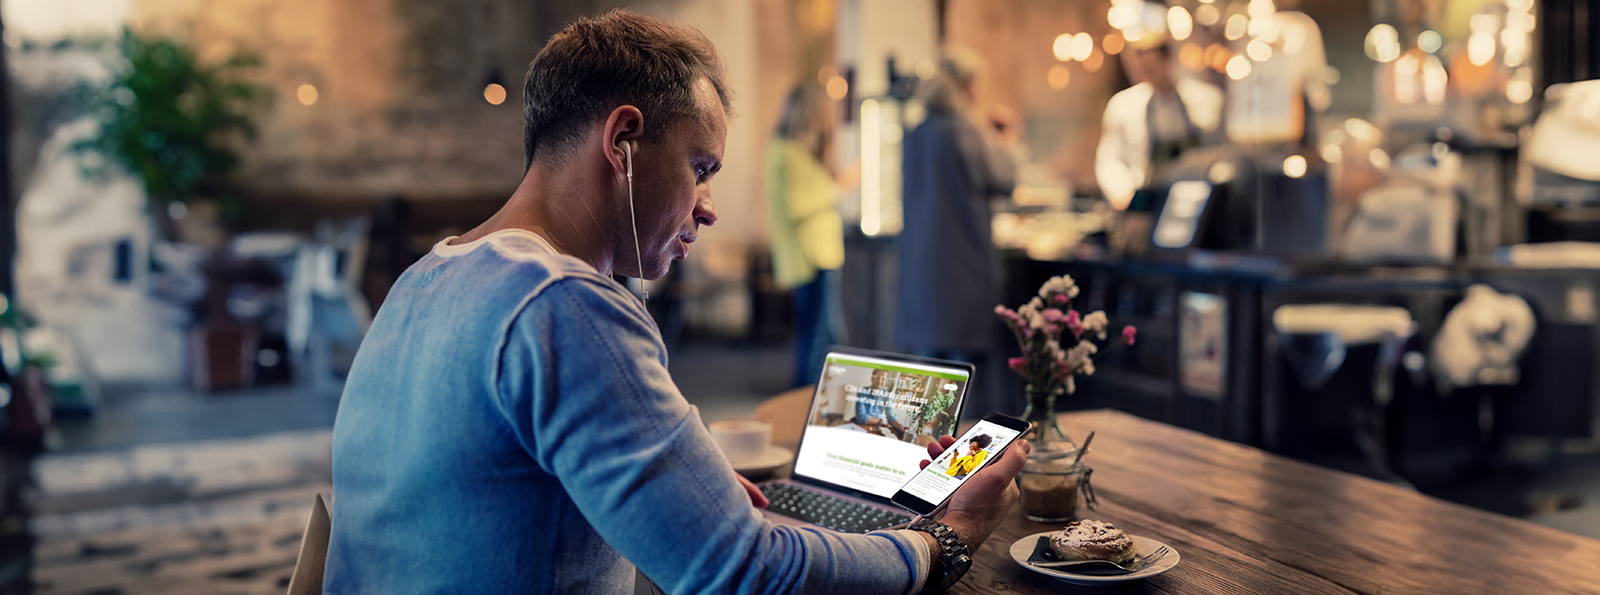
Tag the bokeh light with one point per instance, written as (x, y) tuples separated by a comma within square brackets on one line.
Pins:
[(1082, 46), (1179, 23), (1383, 43), (1113, 44), (1238, 68), (1059, 76), (1294, 166), (494, 94), (307, 94), (1235, 27), (1062, 48), (837, 88)]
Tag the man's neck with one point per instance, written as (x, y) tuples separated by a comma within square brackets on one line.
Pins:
[(566, 213)]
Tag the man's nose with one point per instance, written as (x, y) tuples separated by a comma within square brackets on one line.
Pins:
[(704, 212)]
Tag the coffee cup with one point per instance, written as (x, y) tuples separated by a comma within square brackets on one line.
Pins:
[(743, 441)]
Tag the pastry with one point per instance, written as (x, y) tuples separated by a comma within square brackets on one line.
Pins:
[(1090, 539)]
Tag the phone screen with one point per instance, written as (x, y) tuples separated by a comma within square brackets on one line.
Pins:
[(941, 477)]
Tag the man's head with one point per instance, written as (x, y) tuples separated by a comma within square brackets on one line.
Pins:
[(592, 66), (1149, 62), (633, 111)]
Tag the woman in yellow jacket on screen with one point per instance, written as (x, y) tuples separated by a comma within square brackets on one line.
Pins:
[(967, 463)]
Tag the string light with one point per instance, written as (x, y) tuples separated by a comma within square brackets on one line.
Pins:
[(306, 94)]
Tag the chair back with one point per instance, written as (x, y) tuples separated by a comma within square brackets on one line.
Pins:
[(307, 577)]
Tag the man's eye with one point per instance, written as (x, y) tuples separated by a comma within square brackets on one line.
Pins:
[(700, 171)]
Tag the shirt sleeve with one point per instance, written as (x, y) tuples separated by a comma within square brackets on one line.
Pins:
[(583, 384)]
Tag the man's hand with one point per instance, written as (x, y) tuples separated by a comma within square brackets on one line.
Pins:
[(756, 497), (983, 501)]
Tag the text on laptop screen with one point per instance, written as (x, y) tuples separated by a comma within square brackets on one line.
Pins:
[(872, 419)]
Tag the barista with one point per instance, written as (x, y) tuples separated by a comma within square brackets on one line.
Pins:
[(1151, 123)]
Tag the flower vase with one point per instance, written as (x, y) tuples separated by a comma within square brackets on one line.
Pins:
[(1049, 441), (1051, 478)]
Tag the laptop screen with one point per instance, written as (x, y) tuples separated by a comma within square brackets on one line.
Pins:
[(872, 418)]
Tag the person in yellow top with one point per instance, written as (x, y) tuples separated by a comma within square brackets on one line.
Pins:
[(967, 463), (807, 233)]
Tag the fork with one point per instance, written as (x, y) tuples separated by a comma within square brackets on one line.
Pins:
[(1135, 565)]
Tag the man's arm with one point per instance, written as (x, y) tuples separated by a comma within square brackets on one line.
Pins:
[(584, 386), (983, 501)]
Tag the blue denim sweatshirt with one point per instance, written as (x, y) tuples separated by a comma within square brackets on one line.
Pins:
[(509, 426)]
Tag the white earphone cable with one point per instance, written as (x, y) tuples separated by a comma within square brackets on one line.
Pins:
[(644, 294)]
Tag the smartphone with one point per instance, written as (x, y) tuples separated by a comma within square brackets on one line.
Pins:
[(930, 488)]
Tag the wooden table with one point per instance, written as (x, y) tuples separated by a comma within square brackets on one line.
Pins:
[(1247, 521)]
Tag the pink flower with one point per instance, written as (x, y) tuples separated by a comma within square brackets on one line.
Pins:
[(1061, 298), (1053, 315), (1128, 333), (1075, 322), (1018, 364)]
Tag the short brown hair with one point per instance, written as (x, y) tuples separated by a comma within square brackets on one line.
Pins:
[(593, 66)]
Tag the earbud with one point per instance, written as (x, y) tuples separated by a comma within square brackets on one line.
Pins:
[(627, 152)]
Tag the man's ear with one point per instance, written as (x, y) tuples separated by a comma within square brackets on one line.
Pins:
[(626, 123)]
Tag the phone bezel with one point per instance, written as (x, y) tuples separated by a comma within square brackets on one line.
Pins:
[(922, 507)]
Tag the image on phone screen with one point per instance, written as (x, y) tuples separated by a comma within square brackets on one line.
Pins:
[(940, 478)]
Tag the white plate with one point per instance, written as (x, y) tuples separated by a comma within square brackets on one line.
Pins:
[(1023, 548), (774, 456)]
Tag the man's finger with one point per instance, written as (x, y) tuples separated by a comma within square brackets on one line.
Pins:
[(756, 497)]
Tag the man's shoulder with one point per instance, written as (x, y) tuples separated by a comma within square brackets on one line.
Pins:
[(516, 265)]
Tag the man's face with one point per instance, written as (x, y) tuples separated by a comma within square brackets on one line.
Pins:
[(1149, 66), (672, 178)]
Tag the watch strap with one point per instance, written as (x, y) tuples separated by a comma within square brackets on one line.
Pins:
[(954, 559)]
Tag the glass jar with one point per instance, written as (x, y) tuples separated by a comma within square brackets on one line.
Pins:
[(1052, 487), (1049, 441)]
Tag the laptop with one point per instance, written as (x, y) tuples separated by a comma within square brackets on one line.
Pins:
[(868, 428)]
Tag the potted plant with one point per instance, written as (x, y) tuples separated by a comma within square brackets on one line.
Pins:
[(175, 122)]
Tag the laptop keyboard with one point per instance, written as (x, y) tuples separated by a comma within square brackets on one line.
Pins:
[(835, 513)]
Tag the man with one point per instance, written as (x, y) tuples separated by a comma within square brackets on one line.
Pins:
[(509, 425), (1148, 125)]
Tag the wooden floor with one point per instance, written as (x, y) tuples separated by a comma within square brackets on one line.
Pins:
[(204, 550), (213, 517)]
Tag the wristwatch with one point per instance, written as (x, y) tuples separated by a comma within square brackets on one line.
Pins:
[(953, 557)]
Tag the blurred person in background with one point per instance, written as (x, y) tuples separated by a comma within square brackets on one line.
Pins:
[(807, 233), (1149, 125), (954, 164), (509, 424)]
